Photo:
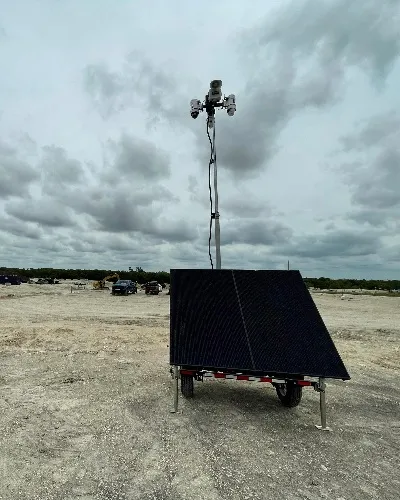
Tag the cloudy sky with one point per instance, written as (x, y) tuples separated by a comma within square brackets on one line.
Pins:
[(102, 166)]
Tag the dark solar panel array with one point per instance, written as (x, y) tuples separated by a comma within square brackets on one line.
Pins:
[(253, 321)]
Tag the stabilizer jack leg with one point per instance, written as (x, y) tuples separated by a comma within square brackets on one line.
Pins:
[(322, 405), (175, 377)]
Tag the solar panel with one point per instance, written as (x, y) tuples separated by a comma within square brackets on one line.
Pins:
[(250, 321)]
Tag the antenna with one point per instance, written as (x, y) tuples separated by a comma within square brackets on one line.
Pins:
[(213, 100)]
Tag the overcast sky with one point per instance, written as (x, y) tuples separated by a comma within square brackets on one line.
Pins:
[(102, 166)]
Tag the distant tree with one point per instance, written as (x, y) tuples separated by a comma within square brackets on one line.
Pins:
[(142, 276)]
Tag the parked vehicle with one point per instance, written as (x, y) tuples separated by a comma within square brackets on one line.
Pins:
[(47, 281), (152, 288), (12, 279), (124, 287)]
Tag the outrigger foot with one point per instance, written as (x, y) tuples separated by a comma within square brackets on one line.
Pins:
[(322, 405)]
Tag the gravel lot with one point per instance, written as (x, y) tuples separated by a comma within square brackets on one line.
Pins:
[(86, 398)]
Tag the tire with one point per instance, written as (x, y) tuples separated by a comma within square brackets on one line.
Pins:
[(112, 293), (289, 394), (187, 386)]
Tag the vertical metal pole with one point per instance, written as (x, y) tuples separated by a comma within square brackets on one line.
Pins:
[(322, 405), (176, 389), (217, 226)]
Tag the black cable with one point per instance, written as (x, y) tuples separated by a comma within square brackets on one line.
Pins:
[(211, 161)]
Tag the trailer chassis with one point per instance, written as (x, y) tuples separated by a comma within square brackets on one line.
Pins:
[(187, 373)]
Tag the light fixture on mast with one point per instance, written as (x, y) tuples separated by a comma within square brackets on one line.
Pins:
[(214, 100)]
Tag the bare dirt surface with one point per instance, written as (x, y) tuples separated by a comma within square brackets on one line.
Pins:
[(86, 398)]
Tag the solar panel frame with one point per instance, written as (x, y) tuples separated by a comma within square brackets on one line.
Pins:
[(258, 322)]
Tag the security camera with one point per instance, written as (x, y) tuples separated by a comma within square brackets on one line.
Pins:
[(195, 108), (230, 104), (216, 84), (215, 93)]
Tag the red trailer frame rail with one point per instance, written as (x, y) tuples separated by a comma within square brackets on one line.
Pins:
[(284, 383), (198, 375)]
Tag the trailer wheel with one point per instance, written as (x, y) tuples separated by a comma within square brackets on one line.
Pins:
[(289, 394), (187, 386)]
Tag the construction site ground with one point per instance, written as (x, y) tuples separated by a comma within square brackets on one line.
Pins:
[(86, 398)]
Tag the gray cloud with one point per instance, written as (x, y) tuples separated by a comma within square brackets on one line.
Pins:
[(104, 87), (379, 187), (136, 158), (238, 204), (46, 212), (373, 132), (16, 175), (58, 170), (188, 252), (375, 177), (255, 232), (139, 82), (82, 247), (246, 207), (16, 227), (126, 210), (304, 58), (327, 38), (337, 243), (128, 196), (115, 226), (149, 195), (121, 243), (114, 211), (364, 35), (193, 185), (178, 231), (377, 218), (53, 245), (391, 253)]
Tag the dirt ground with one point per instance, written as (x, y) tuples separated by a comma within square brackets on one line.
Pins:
[(86, 398)]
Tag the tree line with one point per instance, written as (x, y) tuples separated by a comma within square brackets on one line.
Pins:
[(141, 276), (352, 284), (138, 275)]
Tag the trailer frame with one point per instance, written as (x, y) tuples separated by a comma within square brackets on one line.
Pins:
[(199, 374)]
